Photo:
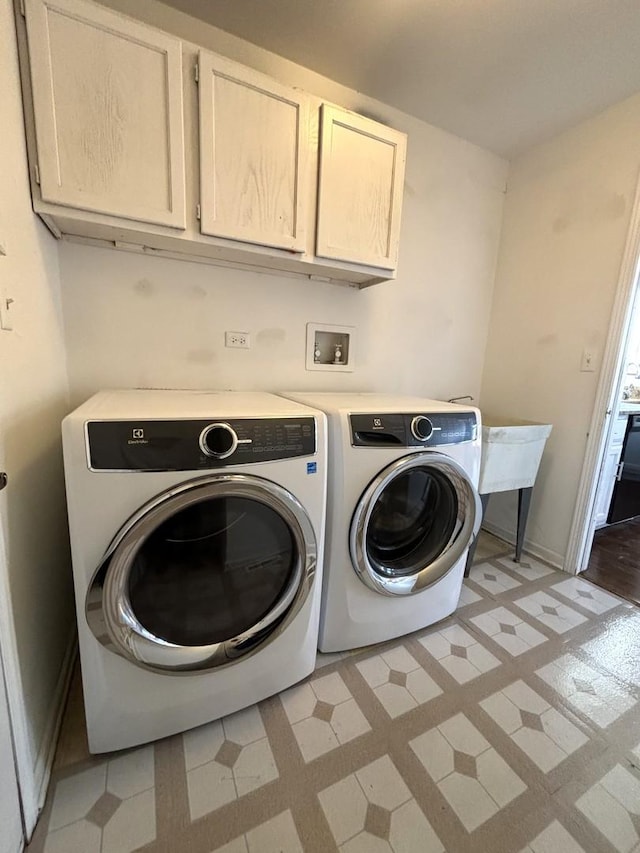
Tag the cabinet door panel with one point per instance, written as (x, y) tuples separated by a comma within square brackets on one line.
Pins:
[(252, 156), (606, 485), (360, 192), (107, 97)]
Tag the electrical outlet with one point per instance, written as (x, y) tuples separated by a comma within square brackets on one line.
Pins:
[(240, 340)]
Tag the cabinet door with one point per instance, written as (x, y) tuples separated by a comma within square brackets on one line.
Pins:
[(253, 144), (360, 191), (107, 98), (605, 485)]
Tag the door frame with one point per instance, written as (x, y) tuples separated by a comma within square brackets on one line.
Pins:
[(15, 692), (607, 396)]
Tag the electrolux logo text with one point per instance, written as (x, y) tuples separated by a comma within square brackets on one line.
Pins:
[(137, 436)]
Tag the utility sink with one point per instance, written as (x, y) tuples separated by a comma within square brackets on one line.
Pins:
[(511, 452)]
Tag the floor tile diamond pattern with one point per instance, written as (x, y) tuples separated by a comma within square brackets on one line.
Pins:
[(398, 681), (508, 630), (587, 595), (474, 778), (459, 653), (492, 579), (108, 808), (323, 715), (559, 617), (545, 735), (374, 804), (528, 568), (513, 726), (227, 759), (104, 809), (599, 697)]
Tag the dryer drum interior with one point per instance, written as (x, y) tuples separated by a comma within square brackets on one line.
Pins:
[(204, 574), (413, 523)]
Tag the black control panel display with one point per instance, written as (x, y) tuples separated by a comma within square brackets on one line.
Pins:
[(192, 445), (420, 429)]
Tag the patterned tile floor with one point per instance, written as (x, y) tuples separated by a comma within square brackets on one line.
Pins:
[(514, 725)]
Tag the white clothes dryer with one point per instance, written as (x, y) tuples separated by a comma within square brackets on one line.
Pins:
[(402, 510), (197, 526)]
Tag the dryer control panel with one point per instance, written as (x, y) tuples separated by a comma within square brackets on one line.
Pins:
[(417, 429), (191, 445)]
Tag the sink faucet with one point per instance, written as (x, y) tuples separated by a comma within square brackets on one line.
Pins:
[(457, 399)]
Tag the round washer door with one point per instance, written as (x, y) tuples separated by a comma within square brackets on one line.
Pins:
[(204, 574), (413, 523)]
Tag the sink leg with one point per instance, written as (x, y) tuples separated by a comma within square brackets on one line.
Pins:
[(484, 500), (524, 502)]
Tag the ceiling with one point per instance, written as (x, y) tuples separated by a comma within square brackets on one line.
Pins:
[(505, 74)]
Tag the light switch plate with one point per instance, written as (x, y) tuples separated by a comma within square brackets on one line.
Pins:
[(6, 317), (588, 361)]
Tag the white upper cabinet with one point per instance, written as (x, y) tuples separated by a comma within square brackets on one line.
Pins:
[(253, 156), (150, 144), (107, 99), (360, 189)]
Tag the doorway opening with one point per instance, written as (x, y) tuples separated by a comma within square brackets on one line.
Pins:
[(614, 560), (614, 563), (604, 541)]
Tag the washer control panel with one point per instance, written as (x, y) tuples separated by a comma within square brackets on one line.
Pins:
[(416, 429), (192, 445)]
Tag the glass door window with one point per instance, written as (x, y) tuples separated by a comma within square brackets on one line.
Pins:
[(413, 523), (204, 574), (211, 571)]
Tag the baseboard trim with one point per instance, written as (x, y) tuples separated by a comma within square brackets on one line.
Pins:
[(47, 751), (551, 557)]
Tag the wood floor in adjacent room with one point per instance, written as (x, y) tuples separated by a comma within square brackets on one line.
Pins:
[(614, 563)]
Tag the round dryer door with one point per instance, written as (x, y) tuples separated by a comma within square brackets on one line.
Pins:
[(413, 523), (204, 574)]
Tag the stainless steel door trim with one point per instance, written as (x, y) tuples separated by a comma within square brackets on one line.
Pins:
[(466, 526), (108, 609)]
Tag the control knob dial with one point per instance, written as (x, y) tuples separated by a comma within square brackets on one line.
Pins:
[(421, 427), (218, 440)]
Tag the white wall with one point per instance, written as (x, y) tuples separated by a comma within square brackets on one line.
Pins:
[(136, 321), (33, 399), (566, 218)]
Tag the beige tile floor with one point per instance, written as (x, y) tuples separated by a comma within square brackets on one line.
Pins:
[(512, 726)]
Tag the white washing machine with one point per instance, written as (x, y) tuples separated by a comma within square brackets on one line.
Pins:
[(402, 510), (197, 526)]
